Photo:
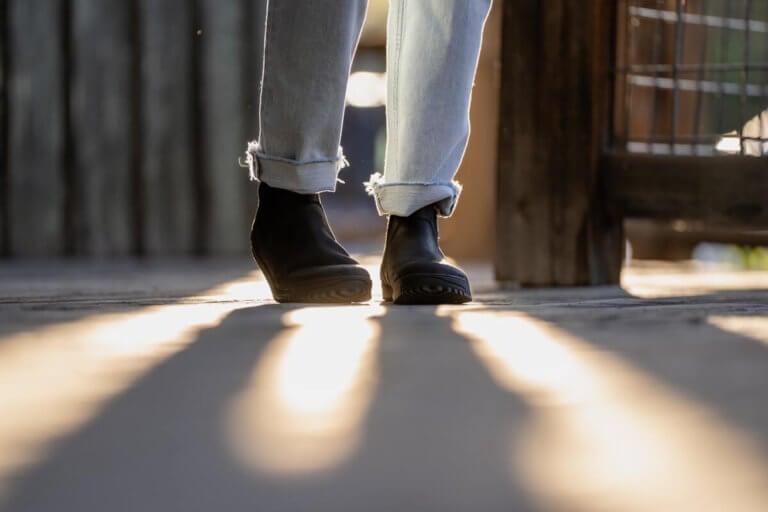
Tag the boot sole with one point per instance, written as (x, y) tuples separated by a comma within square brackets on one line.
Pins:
[(321, 285), (329, 290), (425, 289)]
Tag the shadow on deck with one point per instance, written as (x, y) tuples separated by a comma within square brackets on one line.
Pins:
[(183, 387)]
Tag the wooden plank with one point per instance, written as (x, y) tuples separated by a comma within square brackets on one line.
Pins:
[(222, 125), (722, 189), (5, 242), (166, 54), (36, 127), (556, 94), (675, 239), (104, 126)]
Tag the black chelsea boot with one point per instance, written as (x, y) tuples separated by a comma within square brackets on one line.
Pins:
[(414, 269), (294, 246)]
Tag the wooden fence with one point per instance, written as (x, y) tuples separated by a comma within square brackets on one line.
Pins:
[(122, 123), (567, 176)]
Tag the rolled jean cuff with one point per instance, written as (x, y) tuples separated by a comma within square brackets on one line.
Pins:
[(403, 199), (308, 177)]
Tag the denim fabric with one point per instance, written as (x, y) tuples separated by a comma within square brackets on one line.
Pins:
[(432, 52)]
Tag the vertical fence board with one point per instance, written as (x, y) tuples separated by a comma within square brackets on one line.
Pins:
[(555, 105), (5, 245), (103, 123), (36, 127), (167, 39), (222, 128)]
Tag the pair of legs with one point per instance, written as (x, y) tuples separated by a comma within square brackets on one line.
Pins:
[(432, 52)]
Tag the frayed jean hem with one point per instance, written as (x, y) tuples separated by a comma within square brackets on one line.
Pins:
[(403, 199), (301, 177)]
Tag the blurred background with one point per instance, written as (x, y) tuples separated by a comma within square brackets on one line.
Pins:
[(122, 123)]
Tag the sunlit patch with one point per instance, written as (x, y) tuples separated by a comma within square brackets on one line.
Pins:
[(755, 327), (729, 143), (755, 143), (604, 436), (367, 89), (55, 379), (655, 280), (308, 396), (249, 288), (373, 271)]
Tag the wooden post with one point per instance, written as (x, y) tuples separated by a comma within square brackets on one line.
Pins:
[(36, 127), (167, 38), (104, 117), (554, 224)]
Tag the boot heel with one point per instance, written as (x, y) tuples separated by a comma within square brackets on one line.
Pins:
[(386, 292)]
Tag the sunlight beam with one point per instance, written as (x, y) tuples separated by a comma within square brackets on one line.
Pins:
[(659, 281), (753, 327), (303, 409), (55, 379), (605, 436)]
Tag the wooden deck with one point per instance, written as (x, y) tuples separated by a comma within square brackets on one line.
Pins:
[(180, 386)]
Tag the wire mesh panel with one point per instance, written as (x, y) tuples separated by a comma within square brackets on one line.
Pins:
[(692, 77)]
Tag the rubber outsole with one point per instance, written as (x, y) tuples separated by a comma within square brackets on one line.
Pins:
[(337, 284), (427, 289), (326, 291)]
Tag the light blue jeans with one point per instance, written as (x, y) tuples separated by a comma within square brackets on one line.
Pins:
[(432, 52)]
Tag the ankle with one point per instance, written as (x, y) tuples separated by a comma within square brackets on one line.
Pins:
[(281, 195)]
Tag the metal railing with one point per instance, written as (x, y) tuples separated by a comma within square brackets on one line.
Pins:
[(692, 77)]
